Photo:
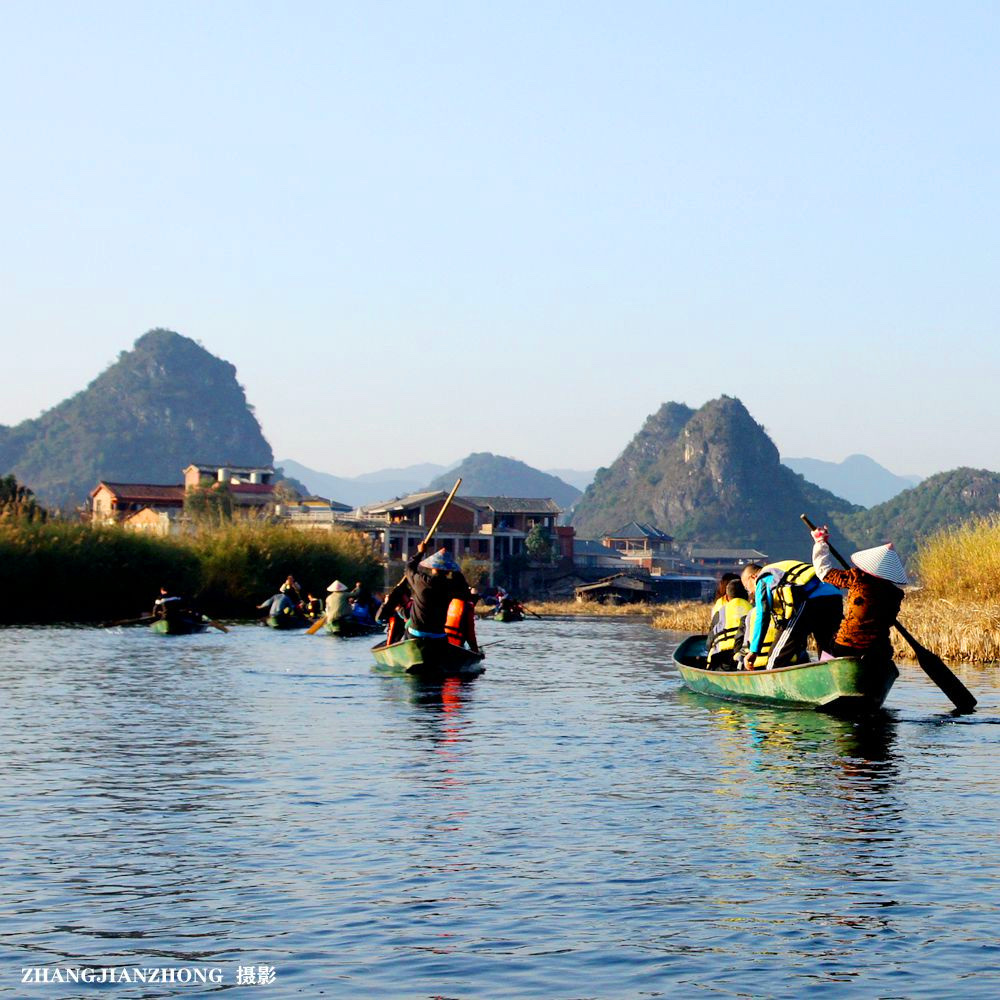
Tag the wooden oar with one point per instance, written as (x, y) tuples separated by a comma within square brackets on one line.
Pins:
[(129, 621), (931, 664), (316, 625), (221, 628)]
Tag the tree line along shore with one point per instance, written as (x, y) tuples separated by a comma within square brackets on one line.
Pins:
[(57, 572), (74, 573)]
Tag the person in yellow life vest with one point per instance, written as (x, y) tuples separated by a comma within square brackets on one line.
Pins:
[(770, 636), (790, 594), (725, 636)]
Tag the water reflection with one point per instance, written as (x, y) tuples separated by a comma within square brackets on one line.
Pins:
[(570, 817)]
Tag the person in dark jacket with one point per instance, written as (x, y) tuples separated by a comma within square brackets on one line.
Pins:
[(433, 582), (167, 605)]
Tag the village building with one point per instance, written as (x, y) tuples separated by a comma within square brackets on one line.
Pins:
[(721, 561), (591, 555), (312, 513), (250, 487), (157, 508), (488, 529), (639, 588), (644, 546), (116, 503)]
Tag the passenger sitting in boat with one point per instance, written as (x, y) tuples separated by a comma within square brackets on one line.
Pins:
[(167, 605), (313, 607), (434, 583), (790, 593), (293, 590), (725, 635), (338, 604), (277, 605), (874, 593)]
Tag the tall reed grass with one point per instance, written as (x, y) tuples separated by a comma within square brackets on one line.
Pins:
[(77, 573), (962, 563)]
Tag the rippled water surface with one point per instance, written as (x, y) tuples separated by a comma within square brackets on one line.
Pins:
[(571, 824)]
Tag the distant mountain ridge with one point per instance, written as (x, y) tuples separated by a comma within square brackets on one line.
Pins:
[(857, 478), (941, 501), (158, 408), (712, 476), (580, 478), (371, 487), (486, 474)]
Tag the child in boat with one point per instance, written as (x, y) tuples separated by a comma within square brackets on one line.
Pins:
[(725, 634), (874, 593)]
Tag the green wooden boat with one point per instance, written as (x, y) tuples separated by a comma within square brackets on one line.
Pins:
[(178, 626), (847, 685), (286, 621), (349, 628), (430, 659), (508, 616)]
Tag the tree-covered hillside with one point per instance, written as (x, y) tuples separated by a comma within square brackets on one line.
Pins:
[(159, 407), (485, 474), (711, 476), (942, 501)]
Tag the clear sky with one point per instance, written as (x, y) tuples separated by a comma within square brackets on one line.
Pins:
[(425, 229)]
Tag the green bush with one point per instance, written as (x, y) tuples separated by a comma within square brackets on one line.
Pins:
[(75, 573)]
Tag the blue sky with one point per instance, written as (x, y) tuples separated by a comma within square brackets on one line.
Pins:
[(421, 230)]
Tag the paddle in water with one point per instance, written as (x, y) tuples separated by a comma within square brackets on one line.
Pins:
[(931, 664)]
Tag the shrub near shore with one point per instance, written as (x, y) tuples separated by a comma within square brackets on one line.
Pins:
[(57, 572)]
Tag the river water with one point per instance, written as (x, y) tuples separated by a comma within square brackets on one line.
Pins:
[(571, 824)]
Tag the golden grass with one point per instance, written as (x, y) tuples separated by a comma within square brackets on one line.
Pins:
[(589, 608), (959, 631), (963, 562)]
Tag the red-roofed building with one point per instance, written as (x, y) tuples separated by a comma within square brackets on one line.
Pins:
[(112, 502)]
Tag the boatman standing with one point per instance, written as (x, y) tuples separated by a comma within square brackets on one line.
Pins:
[(434, 582), (874, 593)]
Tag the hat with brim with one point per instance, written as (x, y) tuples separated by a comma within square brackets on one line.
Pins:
[(882, 561), (336, 585), (441, 560)]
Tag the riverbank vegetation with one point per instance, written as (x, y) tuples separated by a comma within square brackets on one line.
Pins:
[(955, 611), (62, 572)]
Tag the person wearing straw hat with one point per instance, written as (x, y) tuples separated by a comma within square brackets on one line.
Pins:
[(434, 582), (337, 605), (874, 593)]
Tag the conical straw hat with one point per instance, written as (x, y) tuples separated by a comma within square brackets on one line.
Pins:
[(336, 586), (882, 561)]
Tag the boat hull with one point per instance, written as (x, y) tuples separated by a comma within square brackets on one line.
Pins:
[(846, 685), (345, 628), (508, 616), (431, 659), (286, 621), (182, 626)]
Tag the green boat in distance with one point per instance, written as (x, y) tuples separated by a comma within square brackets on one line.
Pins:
[(843, 686), (430, 659), (179, 626), (346, 628), (507, 616), (286, 621)]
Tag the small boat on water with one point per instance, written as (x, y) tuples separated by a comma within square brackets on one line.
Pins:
[(503, 615), (430, 659), (846, 685), (178, 626), (349, 628)]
